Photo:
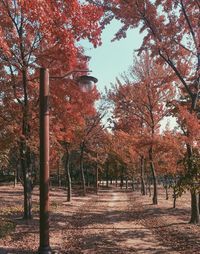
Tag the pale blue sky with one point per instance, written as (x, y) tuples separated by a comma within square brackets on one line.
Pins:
[(112, 58)]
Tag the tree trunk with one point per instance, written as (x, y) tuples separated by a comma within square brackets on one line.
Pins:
[(68, 176), (155, 194), (107, 174), (15, 178), (24, 149), (166, 192), (97, 178), (194, 195), (199, 201), (126, 184), (194, 207), (121, 177), (149, 188), (27, 197), (59, 178), (174, 197), (142, 175), (87, 177), (133, 185), (146, 186), (82, 169), (26, 182), (121, 182)]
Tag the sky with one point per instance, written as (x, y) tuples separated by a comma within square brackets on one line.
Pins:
[(112, 58)]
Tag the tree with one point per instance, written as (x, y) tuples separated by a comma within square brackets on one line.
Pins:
[(189, 133), (172, 33), (37, 34), (88, 139), (141, 105)]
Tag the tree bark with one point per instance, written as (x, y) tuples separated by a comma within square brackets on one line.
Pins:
[(174, 197), (59, 177), (126, 183), (142, 175), (87, 177), (68, 176), (15, 178), (24, 149), (199, 201), (121, 177), (97, 178), (132, 184), (82, 169), (107, 174), (166, 192), (155, 193), (27, 188), (146, 186), (194, 195), (149, 188), (194, 207)]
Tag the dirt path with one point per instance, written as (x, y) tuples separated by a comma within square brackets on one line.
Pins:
[(107, 227), (115, 221)]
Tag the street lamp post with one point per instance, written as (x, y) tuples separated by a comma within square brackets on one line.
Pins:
[(44, 162), (87, 83)]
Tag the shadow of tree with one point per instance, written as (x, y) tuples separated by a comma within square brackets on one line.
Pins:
[(109, 243), (93, 216), (15, 251)]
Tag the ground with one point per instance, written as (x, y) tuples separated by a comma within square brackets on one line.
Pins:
[(114, 221)]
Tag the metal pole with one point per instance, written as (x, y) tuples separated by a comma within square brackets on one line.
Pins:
[(44, 247)]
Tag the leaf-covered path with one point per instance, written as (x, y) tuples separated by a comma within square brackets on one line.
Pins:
[(107, 226), (115, 221)]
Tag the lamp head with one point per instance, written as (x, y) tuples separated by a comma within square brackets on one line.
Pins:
[(86, 83)]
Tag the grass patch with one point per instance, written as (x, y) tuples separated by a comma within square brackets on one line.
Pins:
[(9, 211), (6, 227), (54, 205)]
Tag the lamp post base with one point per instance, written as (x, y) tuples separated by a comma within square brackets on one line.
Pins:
[(45, 250)]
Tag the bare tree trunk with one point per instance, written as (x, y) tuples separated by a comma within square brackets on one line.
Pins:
[(149, 187), (97, 178), (195, 207), (166, 192), (133, 185), (121, 177), (174, 197), (155, 194), (194, 195), (87, 177), (26, 182), (68, 176), (199, 202), (15, 178), (126, 183), (82, 169), (146, 186), (24, 149), (107, 174), (59, 177), (142, 175)]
